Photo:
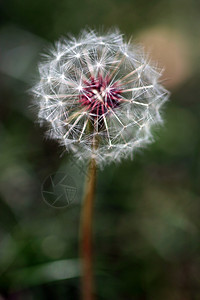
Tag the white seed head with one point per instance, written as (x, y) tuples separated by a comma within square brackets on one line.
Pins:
[(100, 96)]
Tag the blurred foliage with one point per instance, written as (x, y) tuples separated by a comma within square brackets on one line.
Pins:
[(147, 211)]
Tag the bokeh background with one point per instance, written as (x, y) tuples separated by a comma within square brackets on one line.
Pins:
[(147, 211)]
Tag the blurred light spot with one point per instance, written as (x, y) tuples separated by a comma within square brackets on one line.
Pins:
[(19, 50), (17, 185), (170, 50), (44, 273), (53, 246)]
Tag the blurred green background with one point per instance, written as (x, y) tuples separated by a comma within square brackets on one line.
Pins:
[(147, 211)]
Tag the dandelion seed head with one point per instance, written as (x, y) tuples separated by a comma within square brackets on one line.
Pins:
[(99, 88)]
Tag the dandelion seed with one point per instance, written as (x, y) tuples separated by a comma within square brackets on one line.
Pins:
[(103, 88)]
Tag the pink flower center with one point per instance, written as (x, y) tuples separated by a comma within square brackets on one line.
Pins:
[(99, 96)]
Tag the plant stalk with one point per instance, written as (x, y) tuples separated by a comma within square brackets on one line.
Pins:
[(87, 280)]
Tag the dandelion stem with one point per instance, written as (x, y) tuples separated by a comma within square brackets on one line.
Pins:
[(86, 234)]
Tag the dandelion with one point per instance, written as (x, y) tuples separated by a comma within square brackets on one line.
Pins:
[(99, 90), (100, 97)]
